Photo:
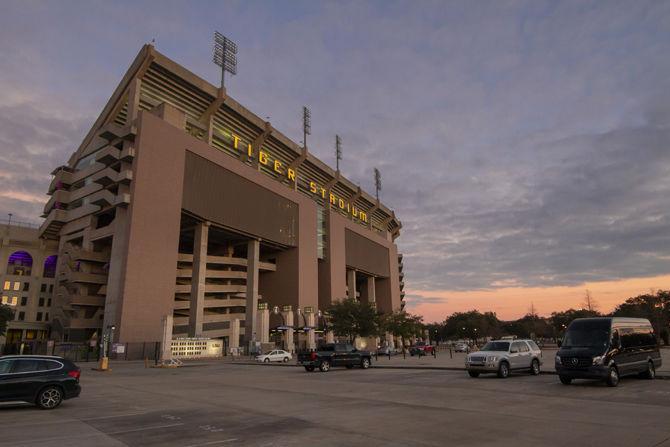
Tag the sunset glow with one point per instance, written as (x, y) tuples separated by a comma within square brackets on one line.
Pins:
[(514, 302)]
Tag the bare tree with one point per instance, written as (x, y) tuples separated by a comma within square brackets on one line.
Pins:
[(589, 302)]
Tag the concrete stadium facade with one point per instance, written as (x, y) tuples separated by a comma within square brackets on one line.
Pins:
[(182, 211)]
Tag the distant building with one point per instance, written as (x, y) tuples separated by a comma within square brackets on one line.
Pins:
[(27, 278)]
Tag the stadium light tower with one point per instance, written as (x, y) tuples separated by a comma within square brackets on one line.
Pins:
[(306, 124), (378, 182), (224, 55), (338, 151)]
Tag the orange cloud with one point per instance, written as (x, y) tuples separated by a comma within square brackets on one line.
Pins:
[(513, 302)]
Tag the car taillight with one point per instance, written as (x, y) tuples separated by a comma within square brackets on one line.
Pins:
[(312, 356), (75, 373)]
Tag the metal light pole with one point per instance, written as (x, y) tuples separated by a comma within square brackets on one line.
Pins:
[(224, 55)]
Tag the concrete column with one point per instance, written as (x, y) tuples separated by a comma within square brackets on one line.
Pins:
[(166, 351), (253, 249), (311, 336), (351, 283), (198, 279), (371, 289), (389, 340), (288, 334), (234, 334), (263, 326)]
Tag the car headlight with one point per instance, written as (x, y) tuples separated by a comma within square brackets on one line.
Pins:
[(558, 359), (598, 360)]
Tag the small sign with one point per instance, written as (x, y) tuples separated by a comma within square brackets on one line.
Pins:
[(118, 348), (287, 308)]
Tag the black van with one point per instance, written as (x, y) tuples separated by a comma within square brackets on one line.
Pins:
[(606, 349)]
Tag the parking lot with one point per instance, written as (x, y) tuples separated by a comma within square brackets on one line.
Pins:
[(242, 405)]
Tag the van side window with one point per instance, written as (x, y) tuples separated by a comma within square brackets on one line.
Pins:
[(523, 347), (533, 345), (627, 337)]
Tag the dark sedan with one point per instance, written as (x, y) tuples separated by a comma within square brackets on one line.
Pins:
[(42, 380)]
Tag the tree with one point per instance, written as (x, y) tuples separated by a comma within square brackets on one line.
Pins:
[(589, 302), (403, 324), (472, 324), (351, 318), (6, 315), (654, 307)]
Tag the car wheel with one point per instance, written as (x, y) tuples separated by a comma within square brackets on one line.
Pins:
[(309, 368), (325, 366), (50, 397), (503, 370), (612, 377), (285, 359), (650, 373), (266, 360), (565, 380), (365, 363), (535, 367), (473, 373)]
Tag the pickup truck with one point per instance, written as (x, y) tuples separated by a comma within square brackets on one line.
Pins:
[(334, 354)]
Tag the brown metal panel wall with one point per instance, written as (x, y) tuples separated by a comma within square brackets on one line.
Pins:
[(216, 194), (366, 255)]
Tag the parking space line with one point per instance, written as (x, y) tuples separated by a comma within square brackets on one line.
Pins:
[(212, 442), (153, 427), (112, 416)]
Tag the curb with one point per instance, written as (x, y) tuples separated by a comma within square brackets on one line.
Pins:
[(662, 376)]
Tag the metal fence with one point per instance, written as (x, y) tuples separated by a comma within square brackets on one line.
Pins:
[(85, 351)]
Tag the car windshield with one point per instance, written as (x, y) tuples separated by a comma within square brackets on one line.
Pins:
[(496, 346), (588, 334)]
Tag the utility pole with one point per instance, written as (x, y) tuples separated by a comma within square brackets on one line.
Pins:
[(378, 182)]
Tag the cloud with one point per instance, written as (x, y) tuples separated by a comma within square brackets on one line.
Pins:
[(521, 144)]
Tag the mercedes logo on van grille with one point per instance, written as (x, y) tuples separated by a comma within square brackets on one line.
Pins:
[(574, 361)]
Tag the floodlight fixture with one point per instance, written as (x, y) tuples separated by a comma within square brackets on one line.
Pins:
[(224, 55), (338, 151), (306, 124)]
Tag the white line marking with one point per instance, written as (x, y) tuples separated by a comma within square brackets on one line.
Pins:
[(141, 429), (113, 416), (212, 442)]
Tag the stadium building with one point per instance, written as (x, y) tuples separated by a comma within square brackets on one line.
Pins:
[(183, 211)]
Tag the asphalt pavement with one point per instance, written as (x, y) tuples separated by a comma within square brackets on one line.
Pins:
[(221, 404)]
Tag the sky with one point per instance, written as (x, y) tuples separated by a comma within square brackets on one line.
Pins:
[(525, 145)]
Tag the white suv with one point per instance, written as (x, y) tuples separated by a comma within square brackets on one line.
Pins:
[(505, 356)]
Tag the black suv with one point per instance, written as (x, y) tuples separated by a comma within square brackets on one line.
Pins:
[(43, 380)]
